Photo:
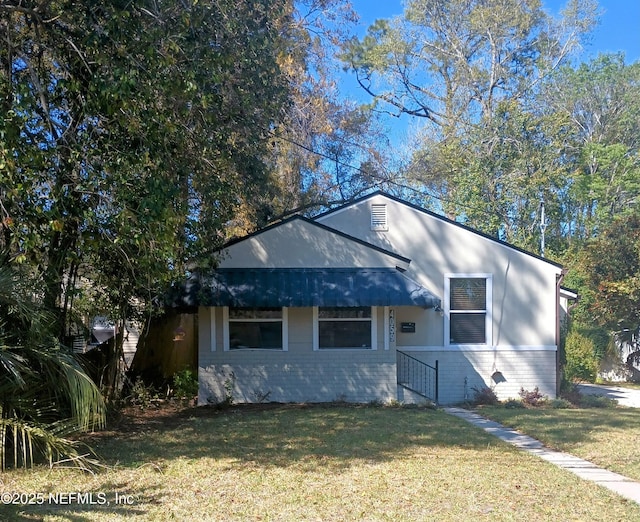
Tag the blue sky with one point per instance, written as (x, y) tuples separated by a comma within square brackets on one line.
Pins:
[(619, 28)]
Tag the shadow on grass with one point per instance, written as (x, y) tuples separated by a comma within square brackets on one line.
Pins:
[(74, 506), (288, 434), (309, 437)]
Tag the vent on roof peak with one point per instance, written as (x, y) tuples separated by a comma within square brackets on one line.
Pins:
[(379, 217)]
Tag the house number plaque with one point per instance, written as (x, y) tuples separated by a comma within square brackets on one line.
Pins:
[(392, 326)]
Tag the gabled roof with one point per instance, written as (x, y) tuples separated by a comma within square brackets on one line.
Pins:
[(401, 259), (289, 286), (439, 217), (568, 293)]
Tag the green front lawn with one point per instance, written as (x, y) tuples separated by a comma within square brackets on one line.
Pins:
[(608, 437), (312, 463)]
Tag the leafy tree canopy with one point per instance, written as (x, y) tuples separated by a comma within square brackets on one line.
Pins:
[(128, 132), (610, 265), (453, 61)]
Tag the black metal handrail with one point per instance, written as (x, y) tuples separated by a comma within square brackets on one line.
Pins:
[(417, 376)]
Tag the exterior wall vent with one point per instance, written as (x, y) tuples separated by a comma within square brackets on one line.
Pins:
[(379, 217)]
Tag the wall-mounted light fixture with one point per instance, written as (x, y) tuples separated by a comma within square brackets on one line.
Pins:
[(498, 377), (179, 334)]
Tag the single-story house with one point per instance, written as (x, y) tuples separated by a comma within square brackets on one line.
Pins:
[(377, 300)]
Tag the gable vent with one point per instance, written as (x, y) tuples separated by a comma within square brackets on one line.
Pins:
[(379, 217)]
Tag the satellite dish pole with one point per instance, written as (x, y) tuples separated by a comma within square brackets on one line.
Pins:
[(543, 226)]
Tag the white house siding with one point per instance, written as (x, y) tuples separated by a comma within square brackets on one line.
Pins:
[(524, 366), (523, 327), (299, 374), (428, 327), (520, 366), (303, 375), (460, 372), (130, 344), (523, 314), (524, 287), (300, 244)]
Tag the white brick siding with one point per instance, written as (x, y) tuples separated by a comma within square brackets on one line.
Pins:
[(518, 367), (303, 375), (297, 375)]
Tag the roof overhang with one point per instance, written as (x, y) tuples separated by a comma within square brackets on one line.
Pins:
[(567, 293), (304, 287)]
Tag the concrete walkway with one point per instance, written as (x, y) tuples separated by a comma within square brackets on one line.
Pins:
[(629, 397), (624, 486)]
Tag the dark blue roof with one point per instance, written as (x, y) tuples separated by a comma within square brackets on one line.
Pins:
[(301, 287)]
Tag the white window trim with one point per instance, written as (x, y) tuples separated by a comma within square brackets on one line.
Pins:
[(285, 331), (389, 326), (489, 308), (225, 328), (212, 328), (374, 328), (316, 332)]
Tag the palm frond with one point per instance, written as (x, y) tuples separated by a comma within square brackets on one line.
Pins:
[(23, 441), (13, 366), (45, 395), (72, 386)]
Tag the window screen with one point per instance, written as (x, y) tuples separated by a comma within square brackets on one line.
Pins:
[(467, 310), (255, 328), (344, 327)]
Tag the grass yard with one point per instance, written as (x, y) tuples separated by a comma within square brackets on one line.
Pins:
[(309, 463), (608, 437)]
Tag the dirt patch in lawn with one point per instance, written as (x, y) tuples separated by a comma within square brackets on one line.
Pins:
[(173, 414)]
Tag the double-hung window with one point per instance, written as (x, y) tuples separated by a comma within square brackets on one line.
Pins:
[(261, 328), (339, 327), (468, 307)]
